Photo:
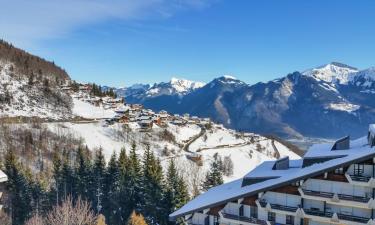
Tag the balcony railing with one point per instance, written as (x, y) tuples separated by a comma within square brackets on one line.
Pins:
[(244, 219), (340, 196), (360, 178), (353, 218), (284, 207), (318, 193), (354, 198), (314, 212), (263, 203)]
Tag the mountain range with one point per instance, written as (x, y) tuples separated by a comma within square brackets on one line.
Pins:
[(325, 102)]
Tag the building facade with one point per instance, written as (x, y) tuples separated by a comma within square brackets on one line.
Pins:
[(331, 184)]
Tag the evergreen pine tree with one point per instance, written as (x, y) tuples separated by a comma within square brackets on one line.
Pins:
[(176, 191), (19, 190), (214, 177), (152, 188), (97, 176), (82, 172), (134, 183), (124, 199), (56, 195), (111, 189), (67, 177)]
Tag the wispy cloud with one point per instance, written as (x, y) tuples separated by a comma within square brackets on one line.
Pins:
[(25, 22)]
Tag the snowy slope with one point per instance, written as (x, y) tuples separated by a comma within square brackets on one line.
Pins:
[(89, 111), (244, 153), (19, 98)]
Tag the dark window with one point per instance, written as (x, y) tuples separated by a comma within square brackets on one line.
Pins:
[(295, 184), (339, 170), (253, 212), (207, 220), (271, 216), (241, 210), (216, 220), (289, 220), (358, 169)]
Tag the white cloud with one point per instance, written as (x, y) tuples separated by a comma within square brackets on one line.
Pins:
[(24, 22)]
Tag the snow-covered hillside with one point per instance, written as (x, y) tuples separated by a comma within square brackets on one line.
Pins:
[(22, 96), (246, 151), (88, 111)]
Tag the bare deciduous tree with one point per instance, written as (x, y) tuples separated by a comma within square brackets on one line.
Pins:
[(35, 220), (69, 213)]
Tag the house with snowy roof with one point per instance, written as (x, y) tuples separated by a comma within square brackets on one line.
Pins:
[(331, 184), (3, 179)]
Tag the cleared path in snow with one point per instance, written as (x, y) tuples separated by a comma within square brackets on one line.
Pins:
[(186, 146)]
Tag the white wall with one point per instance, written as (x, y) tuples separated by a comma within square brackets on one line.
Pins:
[(198, 218), (282, 199), (232, 208)]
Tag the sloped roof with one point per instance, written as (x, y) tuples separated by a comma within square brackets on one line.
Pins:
[(3, 177), (359, 151)]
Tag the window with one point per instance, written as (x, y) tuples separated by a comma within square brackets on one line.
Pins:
[(295, 184), (271, 216), (253, 212), (207, 220), (289, 220), (216, 220), (241, 213), (339, 170), (358, 169)]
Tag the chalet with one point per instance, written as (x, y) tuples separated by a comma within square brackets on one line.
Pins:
[(136, 107), (3, 179), (331, 184), (146, 124), (122, 109), (179, 122)]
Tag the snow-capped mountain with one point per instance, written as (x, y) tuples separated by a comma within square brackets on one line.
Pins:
[(174, 87), (332, 72), (313, 103)]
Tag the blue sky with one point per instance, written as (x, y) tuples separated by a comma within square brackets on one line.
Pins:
[(121, 42)]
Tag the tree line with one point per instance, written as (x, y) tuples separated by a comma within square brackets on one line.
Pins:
[(97, 90), (126, 184)]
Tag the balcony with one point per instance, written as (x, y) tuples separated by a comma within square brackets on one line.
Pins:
[(284, 208), (278, 208), (243, 219), (354, 198), (316, 212), (318, 193), (360, 178), (338, 199), (351, 218)]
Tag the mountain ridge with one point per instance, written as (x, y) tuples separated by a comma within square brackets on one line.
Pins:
[(333, 94)]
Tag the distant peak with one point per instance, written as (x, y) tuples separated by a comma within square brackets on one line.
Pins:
[(342, 65), (332, 72), (229, 77)]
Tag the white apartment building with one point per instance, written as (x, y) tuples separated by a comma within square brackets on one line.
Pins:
[(331, 184)]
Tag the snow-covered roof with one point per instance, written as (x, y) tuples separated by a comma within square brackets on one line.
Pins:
[(359, 150), (3, 177), (372, 128)]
